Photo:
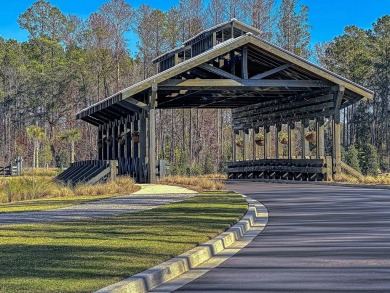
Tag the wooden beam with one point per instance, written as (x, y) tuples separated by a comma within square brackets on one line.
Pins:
[(137, 103), (237, 84), (218, 71), (129, 106), (270, 72)]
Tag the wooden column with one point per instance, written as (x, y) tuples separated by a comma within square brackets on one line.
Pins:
[(254, 132), (134, 128), (267, 141), (114, 144), (291, 140), (304, 142), (244, 63), (336, 154), (135, 146), (244, 148), (122, 142), (152, 135), (100, 143), (320, 138), (234, 146), (109, 144), (142, 146), (128, 136), (278, 145), (104, 142)]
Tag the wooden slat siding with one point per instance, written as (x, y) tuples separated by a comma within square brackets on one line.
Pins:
[(292, 104), (285, 116)]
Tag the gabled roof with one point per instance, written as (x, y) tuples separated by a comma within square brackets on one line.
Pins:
[(203, 34), (262, 55)]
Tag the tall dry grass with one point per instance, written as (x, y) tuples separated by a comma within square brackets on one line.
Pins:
[(385, 180), (51, 172), (195, 183), (25, 188), (217, 176)]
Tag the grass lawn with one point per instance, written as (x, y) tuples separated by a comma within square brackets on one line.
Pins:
[(48, 203), (83, 256)]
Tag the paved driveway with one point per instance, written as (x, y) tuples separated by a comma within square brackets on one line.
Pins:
[(318, 239), (150, 196)]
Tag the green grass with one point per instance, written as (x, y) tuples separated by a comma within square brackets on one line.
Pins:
[(83, 256), (48, 203)]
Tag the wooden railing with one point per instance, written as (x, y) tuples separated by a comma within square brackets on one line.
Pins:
[(281, 169)]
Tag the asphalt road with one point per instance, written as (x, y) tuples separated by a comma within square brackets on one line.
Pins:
[(318, 239)]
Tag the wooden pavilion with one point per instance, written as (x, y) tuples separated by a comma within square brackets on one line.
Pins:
[(229, 66)]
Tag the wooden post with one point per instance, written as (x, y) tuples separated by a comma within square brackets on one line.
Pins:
[(244, 148), (234, 146), (254, 143), (336, 154), (142, 146), (336, 148), (320, 138), (128, 136), (109, 145), (100, 143), (114, 144), (291, 140), (152, 136), (304, 142), (278, 145), (135, 145), (244, 63), (267, 141)]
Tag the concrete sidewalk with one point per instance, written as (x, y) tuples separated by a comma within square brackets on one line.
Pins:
[(150, 196)]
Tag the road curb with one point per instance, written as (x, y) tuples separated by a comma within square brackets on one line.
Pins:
[(166, 271)]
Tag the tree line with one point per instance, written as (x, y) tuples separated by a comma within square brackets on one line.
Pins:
[(69, 63)]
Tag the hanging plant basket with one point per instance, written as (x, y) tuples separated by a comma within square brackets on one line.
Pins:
[(121, 138), (283, 138), (135, 136), (284, 141), (109, 140), (259, 141), (239, 142), (311, 136)]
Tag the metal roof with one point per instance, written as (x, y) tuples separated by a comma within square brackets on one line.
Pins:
[(263, 55)]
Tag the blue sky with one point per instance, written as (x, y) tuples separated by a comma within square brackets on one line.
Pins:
[(328, 17)]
